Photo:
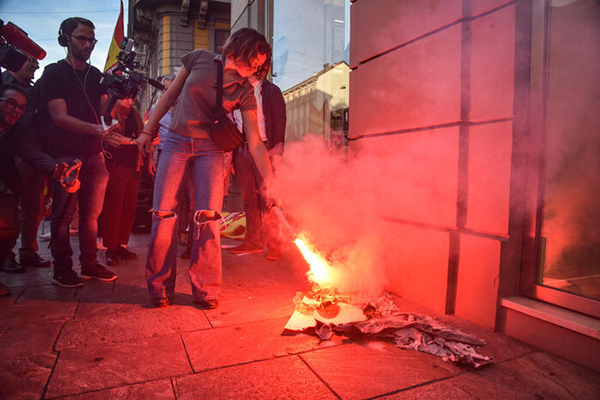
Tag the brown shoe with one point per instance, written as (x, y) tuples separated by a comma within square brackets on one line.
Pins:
[(208, 304), (160, 302)]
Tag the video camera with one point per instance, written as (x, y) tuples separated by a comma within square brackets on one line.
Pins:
[(16, 47), (124, 81)]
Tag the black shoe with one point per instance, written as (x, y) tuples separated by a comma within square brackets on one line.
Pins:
[(112, 257), (126, 254), (68, 279), (160, 302), (208, 304), (10, 266), (97, 272), (34, 260)]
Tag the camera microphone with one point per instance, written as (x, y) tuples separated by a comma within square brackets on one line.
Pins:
[(18, 38)]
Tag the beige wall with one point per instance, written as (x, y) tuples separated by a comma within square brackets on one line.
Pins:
[(428, 91)]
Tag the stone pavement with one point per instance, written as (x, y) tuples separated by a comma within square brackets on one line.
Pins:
[(105, 341)]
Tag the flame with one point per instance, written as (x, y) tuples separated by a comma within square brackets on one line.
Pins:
[(321, 271)]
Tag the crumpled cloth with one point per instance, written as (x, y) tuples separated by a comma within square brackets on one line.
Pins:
[(417, 332)]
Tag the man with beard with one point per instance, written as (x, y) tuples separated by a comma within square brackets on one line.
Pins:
[(71, 92)]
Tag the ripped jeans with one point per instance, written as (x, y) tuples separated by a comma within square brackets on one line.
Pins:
[(206, 162)]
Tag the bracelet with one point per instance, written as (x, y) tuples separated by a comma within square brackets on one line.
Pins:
[(146, 133)]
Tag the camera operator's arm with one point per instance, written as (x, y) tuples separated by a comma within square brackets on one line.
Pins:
[(164, 104), (58, 111)]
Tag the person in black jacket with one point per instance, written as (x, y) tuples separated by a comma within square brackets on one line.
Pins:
[(124, 164), (262, 227), (15, 141)]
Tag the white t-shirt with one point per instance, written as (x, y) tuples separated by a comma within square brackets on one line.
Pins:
[(259, 112)]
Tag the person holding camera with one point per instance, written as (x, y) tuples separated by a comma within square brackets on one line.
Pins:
[(31, 202), (71, 92), (189, 143), (15, 141)]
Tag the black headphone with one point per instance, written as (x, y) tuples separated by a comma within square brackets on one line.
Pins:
[(62, 37)]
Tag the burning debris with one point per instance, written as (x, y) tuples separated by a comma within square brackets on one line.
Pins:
[(327, 312)]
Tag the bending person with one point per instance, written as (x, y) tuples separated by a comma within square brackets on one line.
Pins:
[(188, 143)]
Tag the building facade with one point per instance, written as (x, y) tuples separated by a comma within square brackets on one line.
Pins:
[(480, 116)]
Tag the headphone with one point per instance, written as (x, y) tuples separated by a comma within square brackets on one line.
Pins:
[(62, 37)]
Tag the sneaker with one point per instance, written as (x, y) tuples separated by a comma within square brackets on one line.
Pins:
[(126, 254), (97, 272), (10, 266), (246, 248), (68, 279), (112, 257), (34, 260)]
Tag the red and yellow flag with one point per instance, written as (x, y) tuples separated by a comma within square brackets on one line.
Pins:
[(113, 50)]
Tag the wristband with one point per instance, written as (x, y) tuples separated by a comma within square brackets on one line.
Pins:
[(146, 133)]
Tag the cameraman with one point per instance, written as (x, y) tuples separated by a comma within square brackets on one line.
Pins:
[(74, 97), (14, 142)]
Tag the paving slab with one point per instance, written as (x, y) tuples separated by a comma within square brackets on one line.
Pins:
[(444, 389), (25, 377), (243, 343), (85, 369), (235, 309), (357, 372), (133, 324), (156, 390), (536, 375), (281, 378), (33, 338)]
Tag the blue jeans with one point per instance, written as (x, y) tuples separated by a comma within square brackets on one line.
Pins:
[(93, 177), (206, 162)]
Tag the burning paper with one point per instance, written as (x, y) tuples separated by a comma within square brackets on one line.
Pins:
[(327, 312)]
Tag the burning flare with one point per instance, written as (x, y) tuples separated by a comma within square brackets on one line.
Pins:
[(320, 271)]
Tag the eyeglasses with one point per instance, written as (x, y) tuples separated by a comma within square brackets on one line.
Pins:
[(84, 39), (13, 105)]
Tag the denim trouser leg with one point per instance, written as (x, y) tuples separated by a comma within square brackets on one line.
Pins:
[(205, 265), (205, 272)]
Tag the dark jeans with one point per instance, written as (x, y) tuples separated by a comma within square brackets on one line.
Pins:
[(31, 202), (93, 177), (262, 226), (118, 213)]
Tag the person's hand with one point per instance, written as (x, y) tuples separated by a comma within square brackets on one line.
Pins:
[(115, 139), (144, 143), (151, 165)]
